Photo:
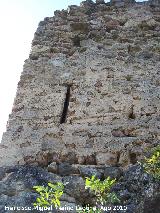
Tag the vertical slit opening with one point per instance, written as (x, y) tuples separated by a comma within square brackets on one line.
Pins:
[(66, 104)]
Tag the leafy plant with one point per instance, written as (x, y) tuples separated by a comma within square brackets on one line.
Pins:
[(49, 195), (101, 189), (152, 164)]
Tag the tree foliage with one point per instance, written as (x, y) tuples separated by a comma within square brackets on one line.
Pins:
[(152, 163)]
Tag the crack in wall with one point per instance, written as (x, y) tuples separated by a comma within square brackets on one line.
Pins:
[(66, 104)]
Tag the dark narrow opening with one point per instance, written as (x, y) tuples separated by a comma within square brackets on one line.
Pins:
[(133, 158), (118, 157), (66, 104), (76, 41), (131, 114)]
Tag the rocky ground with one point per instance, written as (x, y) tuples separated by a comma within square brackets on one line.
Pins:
[(137, 191)]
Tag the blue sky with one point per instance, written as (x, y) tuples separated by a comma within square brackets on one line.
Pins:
[(18, 22)]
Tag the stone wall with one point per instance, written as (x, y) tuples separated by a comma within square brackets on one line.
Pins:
[(106, 55), (87, 103)]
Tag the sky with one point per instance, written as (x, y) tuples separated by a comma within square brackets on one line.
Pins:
[(18, 22)]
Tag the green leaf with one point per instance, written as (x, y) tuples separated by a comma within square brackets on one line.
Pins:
[(49, 195), (100, 188)]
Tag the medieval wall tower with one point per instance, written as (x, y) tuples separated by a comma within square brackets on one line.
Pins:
[(89, 91)]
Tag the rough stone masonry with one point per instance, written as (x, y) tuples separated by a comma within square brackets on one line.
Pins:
[(89, 95)]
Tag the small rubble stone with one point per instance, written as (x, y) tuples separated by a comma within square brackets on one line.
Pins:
[(86, 171), (53, 167)]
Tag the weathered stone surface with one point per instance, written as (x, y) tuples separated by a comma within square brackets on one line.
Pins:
[(2, 173), (75, 187), (136, 189), (53, 167), (110, 60), (107, 158), (88, 98), (119, 3), (16, 188), (65, 169), (88, 171), (67, 198), (154, 2), (113, 172), (100, 1)]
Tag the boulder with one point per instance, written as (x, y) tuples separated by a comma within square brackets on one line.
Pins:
[(87, 171), (113, 172), (66, 169)]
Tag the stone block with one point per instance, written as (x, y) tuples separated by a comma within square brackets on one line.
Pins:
[(52, 167), (107, 158), (65, 169), (113, 172)]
